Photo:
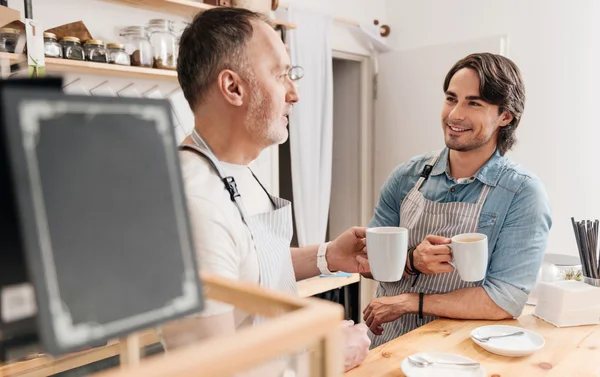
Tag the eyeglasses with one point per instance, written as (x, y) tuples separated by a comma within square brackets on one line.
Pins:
[(296, 73)]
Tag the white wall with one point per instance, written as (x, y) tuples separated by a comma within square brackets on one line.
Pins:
[(345, 37), (555, 43)]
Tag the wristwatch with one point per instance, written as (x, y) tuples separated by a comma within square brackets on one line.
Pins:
[(322, 260)]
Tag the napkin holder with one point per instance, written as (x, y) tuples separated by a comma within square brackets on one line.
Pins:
[(568, 303)]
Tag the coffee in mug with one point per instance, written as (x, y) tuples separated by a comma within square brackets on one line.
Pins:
[(386, 249), (471, 239), (470, 256)]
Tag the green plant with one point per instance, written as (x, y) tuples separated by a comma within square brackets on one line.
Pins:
[(573, 275)]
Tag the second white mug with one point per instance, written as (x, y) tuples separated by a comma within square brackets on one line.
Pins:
[(470, 256)]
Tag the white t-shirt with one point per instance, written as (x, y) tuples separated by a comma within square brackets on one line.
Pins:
[(222, 241)]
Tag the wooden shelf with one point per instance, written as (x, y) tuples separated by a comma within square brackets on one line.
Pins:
[(100, 69), (13, 58), (184, 8)]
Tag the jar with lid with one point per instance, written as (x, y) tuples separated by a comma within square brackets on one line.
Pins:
[(52, 48), (117, 54), (95, 51), (138, 46), (164, 43), (71, 48), (8, 39)]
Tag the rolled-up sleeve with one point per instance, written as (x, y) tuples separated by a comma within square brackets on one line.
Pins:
[(520, 247), (387, 212)]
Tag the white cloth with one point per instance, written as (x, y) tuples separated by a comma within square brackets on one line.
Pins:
[(311, 124), (222, 241), (377, 43)]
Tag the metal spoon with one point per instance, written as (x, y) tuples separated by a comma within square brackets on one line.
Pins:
[(423, 363), (484, 339)]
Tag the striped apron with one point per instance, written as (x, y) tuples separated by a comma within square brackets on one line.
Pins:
[(423, 217), (271, 231)]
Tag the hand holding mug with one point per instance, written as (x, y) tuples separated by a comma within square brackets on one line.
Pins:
[(432, 256), (467, 253)]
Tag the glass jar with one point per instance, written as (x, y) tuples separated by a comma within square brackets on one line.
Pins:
[(52, 48), (72, 49), (138, 46), (164, 43), (9, 39), (117, 54), (95, 51)]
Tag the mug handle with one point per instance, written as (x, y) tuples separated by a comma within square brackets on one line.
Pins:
[(451, 261)]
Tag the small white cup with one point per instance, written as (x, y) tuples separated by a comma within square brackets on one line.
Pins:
[(386, 249), (470, 256)]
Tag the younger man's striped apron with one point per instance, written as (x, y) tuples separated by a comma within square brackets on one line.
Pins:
[(423, 217)]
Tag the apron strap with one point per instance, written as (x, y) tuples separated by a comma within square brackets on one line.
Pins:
[(229, 182), (264, 189), (483, 194), (427, 171)]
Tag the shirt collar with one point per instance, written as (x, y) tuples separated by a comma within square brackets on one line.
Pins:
[(489, 173)]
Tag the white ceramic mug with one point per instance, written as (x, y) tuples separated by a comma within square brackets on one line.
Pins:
[(386, 249), (470, 256)]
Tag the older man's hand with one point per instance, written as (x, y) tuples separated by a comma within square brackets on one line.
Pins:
[(356, 344), (348, 252)]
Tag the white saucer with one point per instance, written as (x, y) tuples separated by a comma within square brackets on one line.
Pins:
[(513, 346), (441, 370)]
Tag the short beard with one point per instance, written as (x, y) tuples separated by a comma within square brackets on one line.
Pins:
[(259, 121), (470, 145)]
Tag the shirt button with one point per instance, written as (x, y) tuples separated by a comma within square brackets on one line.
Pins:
[(452, 189)]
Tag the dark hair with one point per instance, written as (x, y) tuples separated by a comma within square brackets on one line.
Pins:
[(500, 84), (215, 40)]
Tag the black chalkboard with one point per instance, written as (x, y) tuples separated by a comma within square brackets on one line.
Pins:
[(103, 214)]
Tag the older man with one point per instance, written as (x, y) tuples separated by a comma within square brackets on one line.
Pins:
[(236, 75), (470, 186)]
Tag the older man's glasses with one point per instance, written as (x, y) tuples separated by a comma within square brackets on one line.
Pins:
[(296, 73)]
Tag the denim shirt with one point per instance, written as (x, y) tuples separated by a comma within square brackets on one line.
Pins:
[(516, 217)]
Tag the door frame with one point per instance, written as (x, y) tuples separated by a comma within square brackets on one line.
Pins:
[(366, 131), (367, 125)]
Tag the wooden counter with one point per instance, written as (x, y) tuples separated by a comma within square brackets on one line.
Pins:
[(316, 285), (46, 365), (571, 351)]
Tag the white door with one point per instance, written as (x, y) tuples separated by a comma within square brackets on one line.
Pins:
[(409, 101)]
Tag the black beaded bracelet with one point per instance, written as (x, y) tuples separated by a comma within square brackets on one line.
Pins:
[(407, 267), (421, 307), (415, 271)]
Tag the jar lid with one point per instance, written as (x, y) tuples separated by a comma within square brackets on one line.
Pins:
[(134, 30), (71, 39), (94, 42), (49, 35), (161, 24), (9, 30), (115, 45)]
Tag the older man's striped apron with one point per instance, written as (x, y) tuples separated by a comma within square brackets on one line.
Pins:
[(423, 217), (271, 231)]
